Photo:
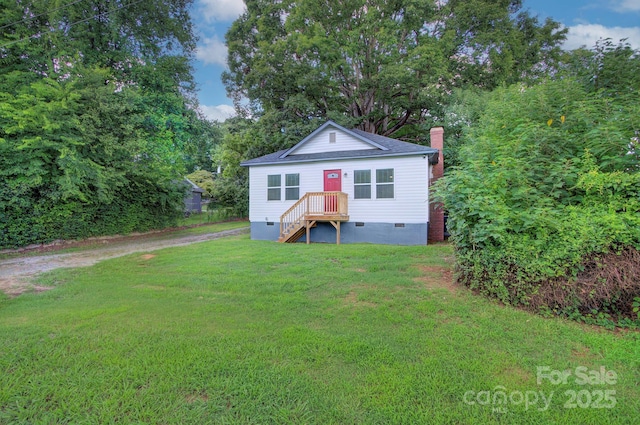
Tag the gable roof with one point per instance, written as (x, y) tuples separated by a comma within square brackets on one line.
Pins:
[(372, 144), (194, 187), (381, 146)]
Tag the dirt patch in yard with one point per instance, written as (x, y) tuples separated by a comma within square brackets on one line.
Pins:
[(516, 375), (17, 274), (582, 352), (437, 277), (196, 397), (352, 299), (14, 286)]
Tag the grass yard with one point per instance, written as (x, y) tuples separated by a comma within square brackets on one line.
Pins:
[(250, 332), (210, 228), (210, 214)]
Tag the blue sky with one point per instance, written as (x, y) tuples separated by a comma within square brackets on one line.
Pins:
[(587, 20)]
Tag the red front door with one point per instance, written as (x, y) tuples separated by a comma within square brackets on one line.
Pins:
[(332, 183)]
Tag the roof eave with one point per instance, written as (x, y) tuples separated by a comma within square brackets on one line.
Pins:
[(430, 153)]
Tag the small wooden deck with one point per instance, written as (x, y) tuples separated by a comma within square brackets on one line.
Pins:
[(312, 208)]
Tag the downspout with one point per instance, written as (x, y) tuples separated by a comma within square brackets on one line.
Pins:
[(436, 212)]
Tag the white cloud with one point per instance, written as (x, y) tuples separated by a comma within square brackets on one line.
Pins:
[(213, 51), (588, 34), (626, 6), (218, 113), (222, 10)]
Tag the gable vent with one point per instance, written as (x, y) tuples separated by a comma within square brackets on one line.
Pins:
[(332, 137)]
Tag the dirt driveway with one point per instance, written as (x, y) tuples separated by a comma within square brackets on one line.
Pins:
[(16, 274)]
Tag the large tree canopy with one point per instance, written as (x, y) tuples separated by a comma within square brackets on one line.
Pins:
[(385, 66), (40, 34), (97, 117)]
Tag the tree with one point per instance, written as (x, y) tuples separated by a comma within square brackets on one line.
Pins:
[(97, 113), (202, 138), (204, 179), (546, 189), (243, 139), (608, 68), (115, 34), (383, 66)]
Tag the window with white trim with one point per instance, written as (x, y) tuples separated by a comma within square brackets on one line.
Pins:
[(362, 184), (292, 187), (274, 187), (384, 183)]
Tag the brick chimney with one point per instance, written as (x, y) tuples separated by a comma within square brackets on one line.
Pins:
[(436, 213)]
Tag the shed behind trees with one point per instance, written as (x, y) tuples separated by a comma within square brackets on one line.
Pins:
[(193, 197)]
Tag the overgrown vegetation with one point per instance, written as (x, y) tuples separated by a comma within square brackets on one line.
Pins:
[(245, 332), (544, 209), (204, 179), (97, 118)]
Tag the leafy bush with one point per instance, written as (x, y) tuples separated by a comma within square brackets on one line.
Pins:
[(81, 158), (204, 179), (548, 186), (95, 130), (44, 221)]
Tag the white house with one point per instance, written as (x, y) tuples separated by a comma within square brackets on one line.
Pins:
[(345, 185)]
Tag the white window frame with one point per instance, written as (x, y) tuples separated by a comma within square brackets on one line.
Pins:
[(362, 184), (288, 188), (272, 188), (385, 184)]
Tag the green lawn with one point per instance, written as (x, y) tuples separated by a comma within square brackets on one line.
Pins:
[(209, 228), (240, 331), (211, 215)]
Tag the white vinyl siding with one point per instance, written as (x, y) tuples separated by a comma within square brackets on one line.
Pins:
[(321, 142), (410, 202)]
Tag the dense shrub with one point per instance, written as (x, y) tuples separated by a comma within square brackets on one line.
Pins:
[(43, 221), (548, 187), (98, 119), (82, 158)]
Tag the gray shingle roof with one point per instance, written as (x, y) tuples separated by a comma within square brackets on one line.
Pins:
[(381, 147)]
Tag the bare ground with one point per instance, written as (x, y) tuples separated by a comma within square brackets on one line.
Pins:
[(17, 274)]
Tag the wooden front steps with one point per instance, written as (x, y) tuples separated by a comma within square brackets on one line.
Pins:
[(298, 232), (312, 208)]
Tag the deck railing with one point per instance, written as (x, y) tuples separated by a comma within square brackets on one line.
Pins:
[(317, 205)]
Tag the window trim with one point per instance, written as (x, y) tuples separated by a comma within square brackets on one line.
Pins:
[(383, 184), (287, 187), (272, 188), (365, 184), (374, 183)]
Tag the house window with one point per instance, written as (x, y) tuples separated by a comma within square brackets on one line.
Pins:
[(384, 183), (292, 187), (274, 183), (362, 184)]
